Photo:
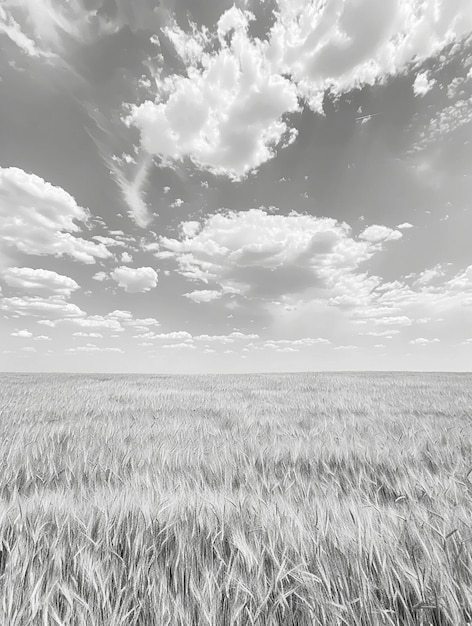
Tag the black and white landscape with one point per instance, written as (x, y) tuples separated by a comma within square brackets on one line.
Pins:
[(235, 312)]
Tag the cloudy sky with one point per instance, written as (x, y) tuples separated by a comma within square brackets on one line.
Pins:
[(202, 186)]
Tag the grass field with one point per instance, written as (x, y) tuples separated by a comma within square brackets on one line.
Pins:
[(298, 499)]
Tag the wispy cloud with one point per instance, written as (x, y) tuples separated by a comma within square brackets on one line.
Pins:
[(133, 188), (12, 29)]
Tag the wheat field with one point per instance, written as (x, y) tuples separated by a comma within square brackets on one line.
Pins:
[(294, 500)]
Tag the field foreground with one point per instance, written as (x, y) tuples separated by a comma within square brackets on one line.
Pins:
[(294, 500)]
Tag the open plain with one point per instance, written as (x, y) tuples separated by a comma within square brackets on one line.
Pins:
[(295, 499)]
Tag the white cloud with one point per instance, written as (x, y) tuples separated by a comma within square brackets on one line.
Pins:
[(126, 258), (39, 280), (100, 276), (93, 348), (35, 306), (421, 341), (190, 229), (132, 187), (462, 281), (181, 335), (376, 234), (448, 120), (22, 333), (142, 323), (12, 29), (401, 320), (94, 321), (258, 255), (135, 280), (91, 335), (39, 218), (231, 338), (180, 346), (108, 241), (204, 295), (423, 84), (428, 275), (227, 112), (341, 45), (404, 226), (288, 345), (28, 349), (45, 27), (388, 334), (115, 321)]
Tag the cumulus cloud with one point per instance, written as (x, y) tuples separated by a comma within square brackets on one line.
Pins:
[(429, 275), (382, 333), (226, 113), (126, 258), (423, 84), (25, 334), (93, 348), (293, 345), (421, 341), (295, 267), (94, 321), (228, 110), (39, 280), (100, 276), (112, 322), (181, 335), (55, 311), (35, 306), (399, 320), (376, 234), (461, 282), (39, 218), (135, 280), (341, 45), (231, 338), (456, 87), (446, 121), (258, 255), (107, 241), (142, 323), (203, 295)]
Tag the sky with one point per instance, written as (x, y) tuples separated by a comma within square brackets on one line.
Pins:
[(202, 186)]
